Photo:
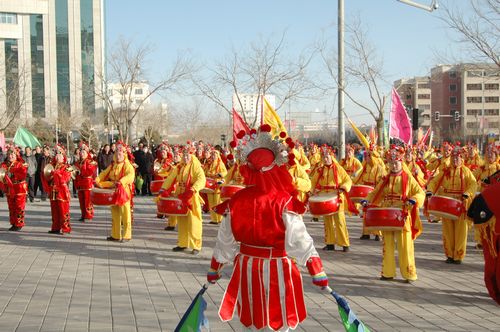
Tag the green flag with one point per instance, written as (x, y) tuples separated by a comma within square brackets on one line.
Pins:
[(24, 138)]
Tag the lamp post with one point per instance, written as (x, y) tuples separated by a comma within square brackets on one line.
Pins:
[(223, 140)]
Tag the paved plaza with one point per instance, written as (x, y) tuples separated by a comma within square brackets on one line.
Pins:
[(81, 282)]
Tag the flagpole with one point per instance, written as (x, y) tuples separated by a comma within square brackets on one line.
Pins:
[(341, 129)]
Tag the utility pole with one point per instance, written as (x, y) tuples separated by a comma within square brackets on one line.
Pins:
[(341, 128)]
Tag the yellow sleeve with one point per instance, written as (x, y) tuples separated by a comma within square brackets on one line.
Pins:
[(229, 175), (198, 176), (470, 182), (301, 180), (345, 181), (129, 174), (371, 196), (314, 179), (304, 161), (222, 169), (99, 179), (431, 186), (170, 178), (415, 192), (358, 166)]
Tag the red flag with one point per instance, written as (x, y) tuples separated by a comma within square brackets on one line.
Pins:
[(400, 122), (239, 124)]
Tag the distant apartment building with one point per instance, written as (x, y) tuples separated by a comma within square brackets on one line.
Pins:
[(460, 101), (416, 93), (57, 47), (467, 99), (251, 106)]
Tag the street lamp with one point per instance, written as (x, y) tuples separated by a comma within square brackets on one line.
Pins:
[(223, 140), (432, 7)]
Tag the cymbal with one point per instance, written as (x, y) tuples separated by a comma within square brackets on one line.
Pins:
[(47, 171)]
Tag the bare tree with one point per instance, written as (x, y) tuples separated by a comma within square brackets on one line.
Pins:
[(126, 67), (13, 92), (478, 29), (262, 69), (363, 68), (153, 123)]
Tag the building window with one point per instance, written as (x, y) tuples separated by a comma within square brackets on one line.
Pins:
[(474, 100), (12, 80), (424, 107), (62, 56), (474, 86), (472, 125), (474, 73), (452, 74), (138, 91), (491, 112), (474, 112), (87, 44), (491, 99), (424, 96), (424, 86), (8, 18), (37, 76), (453, 100), (491, 86), (453, 87), (493, 124)]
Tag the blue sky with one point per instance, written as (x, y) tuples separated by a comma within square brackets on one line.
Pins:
[(407, 38)]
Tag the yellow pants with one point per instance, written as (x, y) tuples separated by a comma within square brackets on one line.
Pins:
[(121, 217), (455, 238), (172, 221), (406, 255), (336, 229), (213, 200), (189, 231)]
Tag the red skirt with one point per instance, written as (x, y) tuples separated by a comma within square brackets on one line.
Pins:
[(266, 286)]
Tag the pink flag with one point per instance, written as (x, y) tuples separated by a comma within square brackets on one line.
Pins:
[(238, 124), (400, 122)]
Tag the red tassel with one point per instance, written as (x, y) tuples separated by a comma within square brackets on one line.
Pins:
[(121, 196)]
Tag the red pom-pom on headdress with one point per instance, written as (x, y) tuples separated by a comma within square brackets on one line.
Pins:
[(230, 157), (283, 134), (265, 128), (241, 134), (253, 131), (233, 144)]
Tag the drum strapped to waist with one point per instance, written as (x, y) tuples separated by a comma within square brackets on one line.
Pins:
[(384, 219), (171, 206), (324, 204), (359, 192), (155, 186), (227, 191), (102, 196), (445, 207), (210, 186)]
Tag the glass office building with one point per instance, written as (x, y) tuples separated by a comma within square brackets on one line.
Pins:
[(54, 47)]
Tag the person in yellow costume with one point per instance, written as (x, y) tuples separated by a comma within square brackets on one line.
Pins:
[(167, 163), (399, 189), (371, 174), (350, 163), (214, 168), (413, 167), (233, 175), (473, 160), (301, 180), (441, 160), (120, 175), (456, 182), (188, 178), (302, 158), (314, 157), (490, 166), (332, 178)]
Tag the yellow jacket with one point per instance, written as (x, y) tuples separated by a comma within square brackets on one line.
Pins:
[(301, 180), (323, 180), (485, 171), (352, 166), (234, 176), (122, 172), (416, 172), (302, 159), (371, 173)]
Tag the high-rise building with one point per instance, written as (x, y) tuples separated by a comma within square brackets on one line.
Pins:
[(467, 97), (251, 106), (57, 47), (416, 93)]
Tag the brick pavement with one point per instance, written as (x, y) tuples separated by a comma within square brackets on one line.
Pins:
[(81, 282)]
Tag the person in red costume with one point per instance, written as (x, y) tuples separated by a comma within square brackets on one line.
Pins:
[(56, 184), (86, 169), (266, 243), (13, 183)]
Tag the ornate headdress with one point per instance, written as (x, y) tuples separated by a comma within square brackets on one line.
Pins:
[(395, 153)]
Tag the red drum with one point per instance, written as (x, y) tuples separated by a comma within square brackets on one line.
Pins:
[(171, 206), (210, 186), (155, 186), (445, 207), (229, 190), (384, 219), (101, 196), (359, 192), (324, 204)]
